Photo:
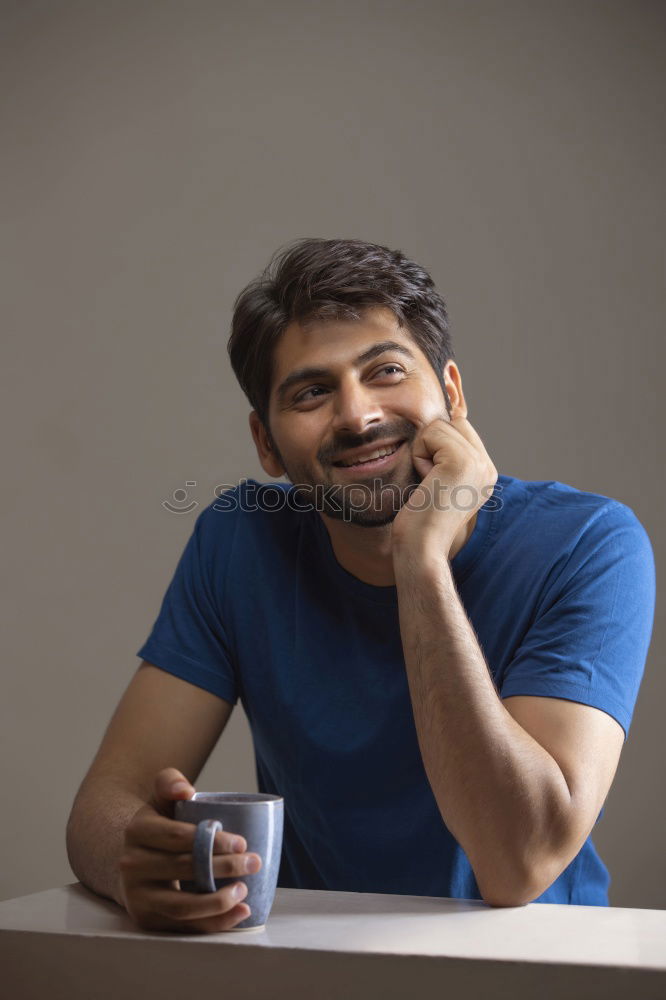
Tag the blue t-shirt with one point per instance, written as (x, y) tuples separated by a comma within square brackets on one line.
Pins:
[(559, 585)]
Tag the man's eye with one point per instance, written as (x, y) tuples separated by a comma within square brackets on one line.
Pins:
[(303, 396)]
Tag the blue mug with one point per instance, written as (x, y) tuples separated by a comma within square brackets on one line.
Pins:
[(257, 817)]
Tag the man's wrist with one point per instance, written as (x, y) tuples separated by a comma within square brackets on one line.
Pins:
[(424, 558)]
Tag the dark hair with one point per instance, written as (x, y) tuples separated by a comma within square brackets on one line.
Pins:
[(313, 280)]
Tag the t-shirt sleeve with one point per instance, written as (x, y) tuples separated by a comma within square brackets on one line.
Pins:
[(189, 638), (592, 630)]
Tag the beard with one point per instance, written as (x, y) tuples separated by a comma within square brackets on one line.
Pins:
[(370, 503)]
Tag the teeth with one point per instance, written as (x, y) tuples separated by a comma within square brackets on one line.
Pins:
[(379, 453)]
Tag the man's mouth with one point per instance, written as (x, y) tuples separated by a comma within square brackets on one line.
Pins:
[(376, 459)]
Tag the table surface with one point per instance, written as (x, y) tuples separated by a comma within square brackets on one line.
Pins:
[(381, 924)]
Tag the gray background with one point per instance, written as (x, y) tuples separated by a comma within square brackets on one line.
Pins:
[(154, 155)]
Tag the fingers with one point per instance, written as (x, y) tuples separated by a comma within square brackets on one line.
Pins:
[(463, 426), (449, 442), (164, 793), (149, 864), (194, 905), (159, 908), (148, 829)]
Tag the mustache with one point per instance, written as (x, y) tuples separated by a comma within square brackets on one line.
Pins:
[(356, 443)]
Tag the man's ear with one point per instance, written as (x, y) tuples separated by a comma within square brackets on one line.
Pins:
[(454, 388), (269, 462)]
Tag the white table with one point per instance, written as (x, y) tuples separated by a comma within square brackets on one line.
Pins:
[(70, 944)]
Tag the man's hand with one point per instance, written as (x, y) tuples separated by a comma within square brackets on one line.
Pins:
[(458, 478), (158, 852)]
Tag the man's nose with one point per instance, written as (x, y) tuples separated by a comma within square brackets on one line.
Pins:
[(356, 408)]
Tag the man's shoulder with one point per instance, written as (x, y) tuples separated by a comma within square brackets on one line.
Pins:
[(252, 496), (557, 512), (249, 506), (550, 497)]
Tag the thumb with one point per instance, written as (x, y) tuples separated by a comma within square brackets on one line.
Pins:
[(423, 466), (169, 786)]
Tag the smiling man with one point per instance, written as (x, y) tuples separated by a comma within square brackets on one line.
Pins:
[(439, 663), (385, 390)]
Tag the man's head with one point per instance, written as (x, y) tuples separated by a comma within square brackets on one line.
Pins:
[(321, 304)]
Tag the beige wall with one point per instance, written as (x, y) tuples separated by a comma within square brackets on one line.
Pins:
[(154, 155)]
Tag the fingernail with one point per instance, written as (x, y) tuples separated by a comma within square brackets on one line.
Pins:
[(237, 845), (239, 890), (179, 786)]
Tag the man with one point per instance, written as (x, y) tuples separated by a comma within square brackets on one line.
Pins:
[(439, 663)]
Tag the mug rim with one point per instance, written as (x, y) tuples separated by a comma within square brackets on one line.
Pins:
[(222, 798)]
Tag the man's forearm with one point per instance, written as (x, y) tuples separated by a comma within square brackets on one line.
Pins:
[(500, 793), (95, 835)]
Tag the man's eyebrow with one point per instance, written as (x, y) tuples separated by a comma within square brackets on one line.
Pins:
[(305, 374)]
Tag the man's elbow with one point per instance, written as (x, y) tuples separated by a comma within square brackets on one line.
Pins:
[(517, 890), (506, 899)]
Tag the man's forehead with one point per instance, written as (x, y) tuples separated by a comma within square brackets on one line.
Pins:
[(322, 337)]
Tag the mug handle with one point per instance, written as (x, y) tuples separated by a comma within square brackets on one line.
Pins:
[(202, 855)]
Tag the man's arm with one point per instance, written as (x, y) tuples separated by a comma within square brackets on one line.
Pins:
[(500, 793), (161, 721), (95, 834)]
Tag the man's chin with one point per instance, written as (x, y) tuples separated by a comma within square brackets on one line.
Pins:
[(368, 504), (364, 520), (372, 502)]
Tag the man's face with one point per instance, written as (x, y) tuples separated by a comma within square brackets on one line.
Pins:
[(315, 419)]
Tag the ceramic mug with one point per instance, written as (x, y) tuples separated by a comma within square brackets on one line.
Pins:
[(256, 816)]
